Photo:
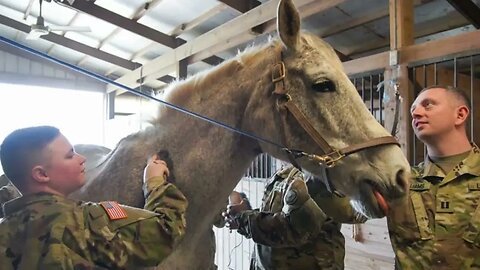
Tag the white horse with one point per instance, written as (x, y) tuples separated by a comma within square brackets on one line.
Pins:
[(291, 92)]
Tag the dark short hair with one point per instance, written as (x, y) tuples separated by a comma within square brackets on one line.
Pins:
[(458, 93), (19, 149)]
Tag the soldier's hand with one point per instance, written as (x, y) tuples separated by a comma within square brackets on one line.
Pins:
[(155, 167), (232, 213)]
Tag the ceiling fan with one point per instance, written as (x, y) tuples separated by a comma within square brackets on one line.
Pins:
[(40, 29)]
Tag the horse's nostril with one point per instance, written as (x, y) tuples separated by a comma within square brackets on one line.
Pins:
[(402, 181)]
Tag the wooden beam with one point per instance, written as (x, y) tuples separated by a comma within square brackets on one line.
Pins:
[(211, 59), (401, 23), (240, 24), (142, 11), (448, 21), (371, 16), (241, 5), (198, 20), (129, 24), (28, 10), (365, 64), (350, 24), (269, 26), (436, 49), (74, 45), (468, 9), (401, 35), (123, 22), (462, 43)]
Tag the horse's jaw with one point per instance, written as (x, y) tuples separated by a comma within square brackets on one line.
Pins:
[(374, 184)]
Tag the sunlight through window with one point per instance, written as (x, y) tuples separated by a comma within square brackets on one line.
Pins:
[(78, 114)]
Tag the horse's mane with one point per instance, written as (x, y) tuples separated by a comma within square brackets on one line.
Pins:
[(178, 91)]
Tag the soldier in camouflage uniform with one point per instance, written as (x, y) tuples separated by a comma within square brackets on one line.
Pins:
[(290, 230), (438, 226), (45, 230)]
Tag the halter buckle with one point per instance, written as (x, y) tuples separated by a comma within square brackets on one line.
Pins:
[(332, 158), (328, 160), (280, 67)]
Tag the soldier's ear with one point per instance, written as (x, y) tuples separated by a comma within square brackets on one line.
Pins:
[(39, 174), (462, 114)]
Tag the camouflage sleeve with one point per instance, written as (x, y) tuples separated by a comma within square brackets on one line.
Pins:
[(339, 209), (145, 237), (280, 229), (167, 200)]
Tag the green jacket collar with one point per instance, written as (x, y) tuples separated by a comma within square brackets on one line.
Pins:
[(470, 165), (20, 203)]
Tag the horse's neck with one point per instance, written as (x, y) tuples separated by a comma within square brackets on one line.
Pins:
[(208, 160)]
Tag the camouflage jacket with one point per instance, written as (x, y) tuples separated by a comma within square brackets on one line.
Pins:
[(45, 231), (287, 242), (438, 226)]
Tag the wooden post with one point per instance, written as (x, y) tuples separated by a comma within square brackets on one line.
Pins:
[(181, 69), (401, 35)]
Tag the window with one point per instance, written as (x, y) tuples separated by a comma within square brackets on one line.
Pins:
[(78, 114)]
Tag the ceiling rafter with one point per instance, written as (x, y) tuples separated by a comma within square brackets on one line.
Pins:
[(142, 11), (137, 15), (241, 6), (220, 35), (353, 23), (63, 34), (75, 45), (129, 24), (198, 20), (29, 9), (427, 28), (133, 26), (468, 9), (212, 60), (367, 18)]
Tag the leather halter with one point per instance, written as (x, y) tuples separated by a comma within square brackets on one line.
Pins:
[(331, 155)]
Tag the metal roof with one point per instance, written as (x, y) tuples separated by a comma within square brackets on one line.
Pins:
[(127, 34)]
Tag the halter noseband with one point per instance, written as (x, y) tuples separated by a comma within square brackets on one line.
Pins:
[(331, 155)]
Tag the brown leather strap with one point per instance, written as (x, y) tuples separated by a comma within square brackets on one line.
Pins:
[(278, 76), (308, 127), (282, 122), (368, 144)]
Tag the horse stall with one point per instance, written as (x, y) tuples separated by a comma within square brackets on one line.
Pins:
[(388, 68)]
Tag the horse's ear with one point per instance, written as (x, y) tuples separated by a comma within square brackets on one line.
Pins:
[(288, 23)]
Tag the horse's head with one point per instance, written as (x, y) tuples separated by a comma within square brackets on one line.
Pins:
[(314, 98)]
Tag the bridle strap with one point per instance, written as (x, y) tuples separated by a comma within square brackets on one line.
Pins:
[(278, 76), (285, 102), (307, 126), (369, 144), (282, 124)]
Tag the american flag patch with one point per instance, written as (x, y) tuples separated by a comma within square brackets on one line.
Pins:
[(114, 210)]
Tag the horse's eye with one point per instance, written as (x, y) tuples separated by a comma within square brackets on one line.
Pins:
[(324, 86)]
